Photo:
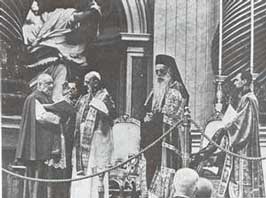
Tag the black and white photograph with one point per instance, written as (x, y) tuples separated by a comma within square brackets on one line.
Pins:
[(133, 98)]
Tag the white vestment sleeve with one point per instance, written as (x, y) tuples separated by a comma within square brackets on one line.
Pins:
[(44, 116)]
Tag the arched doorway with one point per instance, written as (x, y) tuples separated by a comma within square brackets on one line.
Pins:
[(123, 53)]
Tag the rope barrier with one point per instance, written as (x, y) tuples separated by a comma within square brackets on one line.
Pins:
[(135, 156), (223, 149), (99, 173)]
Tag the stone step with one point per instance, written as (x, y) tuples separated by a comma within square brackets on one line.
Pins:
[(263, 129), (263, 117), (10, 119), (263, 136)]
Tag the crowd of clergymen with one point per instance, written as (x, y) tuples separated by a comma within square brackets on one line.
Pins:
[(93, 148)]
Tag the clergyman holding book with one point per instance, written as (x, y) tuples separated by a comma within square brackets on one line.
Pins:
[(239, 177), (40, 131)]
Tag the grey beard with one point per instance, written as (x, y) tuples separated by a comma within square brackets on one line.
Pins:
[(160, 88)]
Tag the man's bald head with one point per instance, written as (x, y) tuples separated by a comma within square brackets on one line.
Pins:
[(44, 77), (92, 74), (204, 188), (92, 81), (185, 182), (45, 84)]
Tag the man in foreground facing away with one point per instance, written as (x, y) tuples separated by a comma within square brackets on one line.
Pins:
[(185, 183)]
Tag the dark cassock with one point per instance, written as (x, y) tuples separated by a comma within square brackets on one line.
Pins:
[(71, 95), (240, 177), (162, 160), (38, 131), (60, 168)]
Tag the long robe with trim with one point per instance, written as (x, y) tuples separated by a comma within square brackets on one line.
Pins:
[(241, 178), (94, 143), (35, 139), (162, 159), (36, 144)]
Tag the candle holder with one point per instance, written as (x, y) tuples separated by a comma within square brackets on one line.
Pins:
[(219, 93)]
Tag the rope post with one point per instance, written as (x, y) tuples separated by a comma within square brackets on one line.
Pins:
[(101, 186), (185, 146)]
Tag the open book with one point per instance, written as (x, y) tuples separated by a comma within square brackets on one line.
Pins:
[(211, 128), (229, 115), (61, 107), (99, 105)]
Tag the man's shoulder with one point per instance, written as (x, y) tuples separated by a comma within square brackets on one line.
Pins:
[(85, 95), (175, 85), (174, 88), (102, 94), (250, 96), (32, 95), (84, 98), (248, 99), (103, 91), (30, 100)]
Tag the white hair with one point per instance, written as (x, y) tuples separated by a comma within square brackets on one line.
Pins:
[(41, 83), (93, 74), (43, 77), (185, 182), (204, 188)]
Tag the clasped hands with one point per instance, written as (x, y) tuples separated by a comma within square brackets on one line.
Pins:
[(148, 117)]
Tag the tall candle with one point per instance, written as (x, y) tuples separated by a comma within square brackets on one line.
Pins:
[(252, 38), (220, 38)]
